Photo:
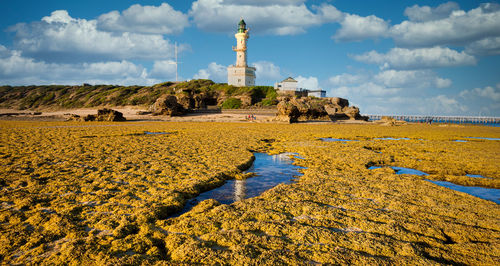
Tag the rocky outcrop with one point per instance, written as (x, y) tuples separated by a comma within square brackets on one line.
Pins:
[(292, 109), (109, 115), (168, 105), (389, 121), (102, 115)]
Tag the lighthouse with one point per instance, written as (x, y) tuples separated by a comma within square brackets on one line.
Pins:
[(241, 74)]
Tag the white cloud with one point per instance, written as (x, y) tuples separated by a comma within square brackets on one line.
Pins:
[(161, 19), (402, 58), (443, 104), (411, 79), (310, 83), (488, 46), (389, 91), (459, 27), (16, 69), (365, 89), (163, 69), (214, 71), (346, 79), (281, 18), (488, 92), (267, 71), (357, 28), (263, 2), (427, 13), (62, 38)]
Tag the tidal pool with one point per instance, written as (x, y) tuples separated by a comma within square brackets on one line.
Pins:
[(270, 170), (478, 176), (333, 139), (491, 194), (483, 138), (402, 170), (155, 133), (393, 138)]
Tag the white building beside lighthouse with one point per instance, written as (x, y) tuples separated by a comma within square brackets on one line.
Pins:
[(241, 74)]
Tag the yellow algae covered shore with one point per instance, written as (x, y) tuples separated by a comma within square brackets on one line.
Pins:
[(98, 193)]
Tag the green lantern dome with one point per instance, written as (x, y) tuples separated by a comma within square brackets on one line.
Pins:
[(242, 26)]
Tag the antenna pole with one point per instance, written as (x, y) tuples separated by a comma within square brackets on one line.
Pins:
[(176, 64)]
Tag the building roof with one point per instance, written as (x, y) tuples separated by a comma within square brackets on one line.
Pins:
[(242, 26), (289, 79)]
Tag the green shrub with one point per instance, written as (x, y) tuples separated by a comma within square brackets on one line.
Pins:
[(231, 103), (269, 102)]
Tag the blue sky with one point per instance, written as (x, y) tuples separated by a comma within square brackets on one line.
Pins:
[(386, 57)]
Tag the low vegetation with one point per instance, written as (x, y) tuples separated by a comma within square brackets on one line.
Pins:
[(101, 193), (67, 97)]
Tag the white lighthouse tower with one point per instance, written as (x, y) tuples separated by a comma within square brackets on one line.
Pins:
[(241, 74)]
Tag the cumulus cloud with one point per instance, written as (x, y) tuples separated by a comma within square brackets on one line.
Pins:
[(310, 83), (357, 28), (61, 38), (214, 71), (412, 79), (277, 17), (163, 69), (267, 71), (161, 19), (389, 91), (364, 89), (488, 46), (443, 104), (427, 13), (263, 2), (16, 69), (346, 79), (402, 58), (487, 92), (458, 28)]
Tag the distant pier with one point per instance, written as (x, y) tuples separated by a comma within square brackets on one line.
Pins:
[(484, 120)]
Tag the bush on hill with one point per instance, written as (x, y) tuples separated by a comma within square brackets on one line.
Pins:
[(67, 97), (231, 103)]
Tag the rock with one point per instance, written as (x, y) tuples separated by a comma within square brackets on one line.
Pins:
[(287, 112), (109, 115), (167, 105), (73, 117), (102, 115), (389, 121), (292, 109), (246, 100), (185, 100), (143, 113), (341, 102)]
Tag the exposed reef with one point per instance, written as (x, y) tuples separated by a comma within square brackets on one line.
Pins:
[(100, 193)]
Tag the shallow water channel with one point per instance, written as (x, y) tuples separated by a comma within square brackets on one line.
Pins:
[(491, 194), (270, 170)]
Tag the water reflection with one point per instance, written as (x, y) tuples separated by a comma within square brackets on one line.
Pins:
[(402, 170), (491, 194), (270, 170), (334, 139), (483, 138), (393, 138), (477, 176), (240, 190)]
